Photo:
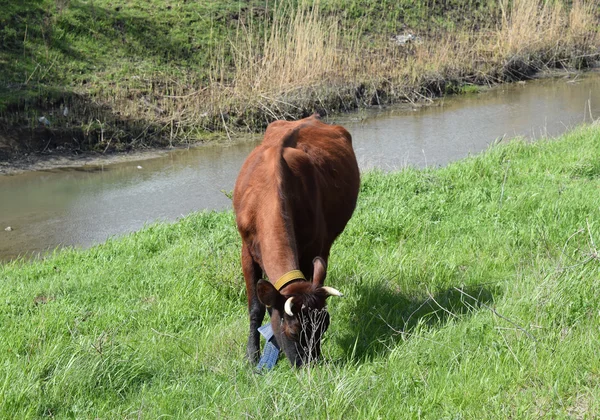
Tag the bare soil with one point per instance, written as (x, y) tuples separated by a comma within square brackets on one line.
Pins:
[(64, 158)]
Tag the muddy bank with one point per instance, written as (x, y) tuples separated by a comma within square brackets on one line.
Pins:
[(47, 147), (70, 155), (75, 127), (67, 159)]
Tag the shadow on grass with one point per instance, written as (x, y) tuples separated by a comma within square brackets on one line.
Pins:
[(383, 316), (50, 56)]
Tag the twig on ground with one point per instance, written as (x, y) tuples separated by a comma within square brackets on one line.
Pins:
[(406, 334), (503, 183), (440, 306), (499, 315), (47, 144), (225, 125), (565, 245), (510, 348)]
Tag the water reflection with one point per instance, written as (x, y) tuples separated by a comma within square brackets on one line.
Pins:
[(83, 207), (458, 126)]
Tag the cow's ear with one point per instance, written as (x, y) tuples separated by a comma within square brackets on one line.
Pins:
[(319, 271), (267, 293)]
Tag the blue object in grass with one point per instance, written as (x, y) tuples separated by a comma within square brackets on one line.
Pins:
[(271, 351)]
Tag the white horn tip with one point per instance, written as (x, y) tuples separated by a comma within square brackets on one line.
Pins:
[(332, 292), (288, 306)]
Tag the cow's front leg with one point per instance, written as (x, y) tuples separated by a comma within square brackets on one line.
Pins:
[(256, 310)]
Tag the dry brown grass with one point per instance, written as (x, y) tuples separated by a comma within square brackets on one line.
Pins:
[(301, 61), (300, 51), (300, 47), (307, 63)]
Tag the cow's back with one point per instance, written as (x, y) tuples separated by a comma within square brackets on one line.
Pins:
[(318, 178), (329, 151)]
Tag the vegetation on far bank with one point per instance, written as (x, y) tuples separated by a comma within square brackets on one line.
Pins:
[(471, 292), (111, 75)]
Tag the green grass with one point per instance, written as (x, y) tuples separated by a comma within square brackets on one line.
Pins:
[(92, 46), (84, 42), (154, 72), (471, 292)]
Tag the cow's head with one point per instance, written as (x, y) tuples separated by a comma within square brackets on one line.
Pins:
[(298, 314)]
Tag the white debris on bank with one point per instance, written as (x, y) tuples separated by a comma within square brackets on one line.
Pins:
[(405, 39)]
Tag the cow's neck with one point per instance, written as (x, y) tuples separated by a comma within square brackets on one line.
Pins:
[(280, 253)]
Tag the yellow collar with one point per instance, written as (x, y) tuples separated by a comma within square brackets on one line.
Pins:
[(288, 277)]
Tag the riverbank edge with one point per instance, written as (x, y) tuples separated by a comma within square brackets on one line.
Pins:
[(65, 157)]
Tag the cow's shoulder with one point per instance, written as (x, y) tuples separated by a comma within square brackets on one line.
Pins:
[(305, 131)]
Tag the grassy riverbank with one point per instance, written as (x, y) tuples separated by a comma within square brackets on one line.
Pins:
[(471, 291), (139, 73)]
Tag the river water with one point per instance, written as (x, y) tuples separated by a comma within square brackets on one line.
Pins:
[(84, 206)]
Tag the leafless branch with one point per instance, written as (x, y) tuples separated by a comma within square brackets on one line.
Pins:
[(499, 315)]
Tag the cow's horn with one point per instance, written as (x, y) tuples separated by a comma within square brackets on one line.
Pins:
[(332, 292), (288, 306)]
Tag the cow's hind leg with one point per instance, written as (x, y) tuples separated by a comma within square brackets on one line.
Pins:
[(256, 310)]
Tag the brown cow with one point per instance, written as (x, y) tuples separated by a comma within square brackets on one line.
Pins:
[(294, 195)]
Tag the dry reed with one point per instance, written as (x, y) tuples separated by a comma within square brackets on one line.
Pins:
[(295, 60), (306, 62)]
